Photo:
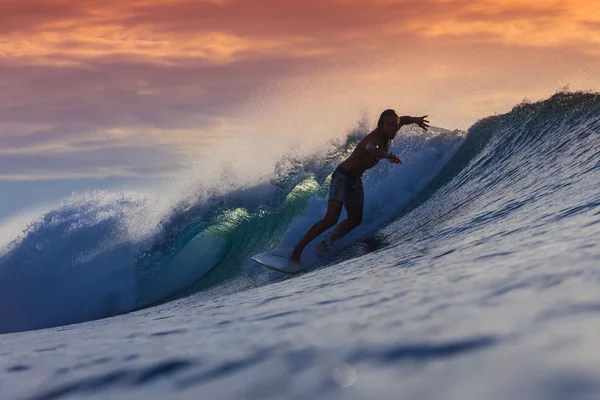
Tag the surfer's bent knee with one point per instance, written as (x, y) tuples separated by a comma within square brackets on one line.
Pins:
[(330, 221), (356, 221)]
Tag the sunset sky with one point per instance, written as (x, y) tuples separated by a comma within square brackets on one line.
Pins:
[(128, 89)]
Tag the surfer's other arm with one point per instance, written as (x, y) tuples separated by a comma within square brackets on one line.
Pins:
[(420, 121), (377, 152)]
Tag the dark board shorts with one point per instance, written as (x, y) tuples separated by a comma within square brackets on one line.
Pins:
[(346, 188)]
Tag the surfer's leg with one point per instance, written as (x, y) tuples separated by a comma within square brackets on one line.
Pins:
[(355, 213), (334, 209), (354, 208)]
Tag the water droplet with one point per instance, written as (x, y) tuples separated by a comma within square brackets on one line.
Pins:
[(345, 375)]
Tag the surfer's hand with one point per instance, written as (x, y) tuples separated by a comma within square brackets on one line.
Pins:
[(422, 122), (393, 159)]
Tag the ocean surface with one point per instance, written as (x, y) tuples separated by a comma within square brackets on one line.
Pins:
[(475, 275)]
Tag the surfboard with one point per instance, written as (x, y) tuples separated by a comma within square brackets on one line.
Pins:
[(279, 260)]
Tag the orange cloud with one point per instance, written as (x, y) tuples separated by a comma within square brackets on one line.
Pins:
[(520, 22), (64, 32), (93, 75)]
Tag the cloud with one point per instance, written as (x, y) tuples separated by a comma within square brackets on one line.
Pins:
[(69, 102), (520, 23), (221, 30), (93, 76), (119, 161)]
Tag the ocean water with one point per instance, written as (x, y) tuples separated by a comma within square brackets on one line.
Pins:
[(475, 275)]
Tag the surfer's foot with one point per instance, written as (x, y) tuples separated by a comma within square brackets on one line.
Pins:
[(295, 256), (323, 246)]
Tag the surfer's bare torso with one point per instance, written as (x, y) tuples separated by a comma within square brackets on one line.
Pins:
[(361, 158)]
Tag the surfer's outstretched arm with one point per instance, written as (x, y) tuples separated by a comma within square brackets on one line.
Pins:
[(406, 120)]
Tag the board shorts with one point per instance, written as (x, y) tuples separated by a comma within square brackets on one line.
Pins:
[(346, 188)]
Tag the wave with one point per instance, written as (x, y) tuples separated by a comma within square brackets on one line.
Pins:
[(542, 157), (277, 213), (102, 254)]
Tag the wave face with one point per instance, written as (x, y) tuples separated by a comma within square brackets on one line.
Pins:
[(103, 254)]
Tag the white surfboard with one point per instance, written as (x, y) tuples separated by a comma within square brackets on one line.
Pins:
[(279, 260)]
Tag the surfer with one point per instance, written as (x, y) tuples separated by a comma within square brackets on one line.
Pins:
[(346, 183)]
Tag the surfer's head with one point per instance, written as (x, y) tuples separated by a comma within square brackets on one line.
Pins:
[(388, 123)]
